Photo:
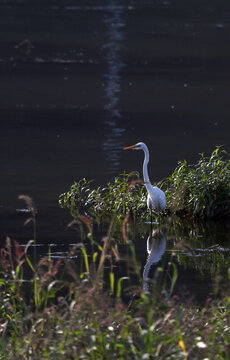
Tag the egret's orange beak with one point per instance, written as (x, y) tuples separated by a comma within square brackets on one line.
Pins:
[(129, 147)]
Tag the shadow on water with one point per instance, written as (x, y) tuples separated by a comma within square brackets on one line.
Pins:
[(200, 251)]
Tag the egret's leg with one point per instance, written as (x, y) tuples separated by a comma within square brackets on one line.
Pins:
[(151, 223), (160, 219)]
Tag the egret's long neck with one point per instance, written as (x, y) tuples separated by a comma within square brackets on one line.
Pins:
[(145, 167)]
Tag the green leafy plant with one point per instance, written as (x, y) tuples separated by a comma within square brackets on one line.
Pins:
[(126, 193), (202, 190)]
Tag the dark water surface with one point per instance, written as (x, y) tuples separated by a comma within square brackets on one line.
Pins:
[(82, 79)]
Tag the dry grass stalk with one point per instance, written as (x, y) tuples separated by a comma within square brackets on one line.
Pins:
[(29, 203), (125, 226), (103, 254), (47, 268)]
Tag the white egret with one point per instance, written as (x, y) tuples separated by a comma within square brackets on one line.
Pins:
[(156, 199)]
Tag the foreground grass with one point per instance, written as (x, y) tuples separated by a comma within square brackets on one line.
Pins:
[(91, 326), (49, 316)]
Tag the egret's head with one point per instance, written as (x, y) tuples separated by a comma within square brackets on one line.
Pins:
[(138, 146)]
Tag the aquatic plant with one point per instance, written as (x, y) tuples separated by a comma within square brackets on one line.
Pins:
[(202, 190), (126, 193)]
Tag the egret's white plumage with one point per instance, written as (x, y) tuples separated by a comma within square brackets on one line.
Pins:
[(156, 199)]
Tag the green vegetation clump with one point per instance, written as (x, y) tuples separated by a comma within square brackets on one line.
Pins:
[(202, 190), (126, 193)]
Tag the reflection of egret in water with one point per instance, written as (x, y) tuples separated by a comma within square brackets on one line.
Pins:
[(156, 245), (114, 23)]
